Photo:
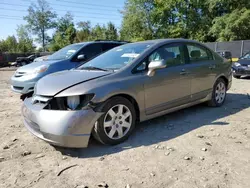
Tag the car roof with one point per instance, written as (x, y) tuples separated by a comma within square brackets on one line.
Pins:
[(170, 40), (223, 51), (103, 41)]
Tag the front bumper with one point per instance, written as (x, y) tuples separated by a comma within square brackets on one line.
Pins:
[(61, 128), (19, 85), (241, 71)]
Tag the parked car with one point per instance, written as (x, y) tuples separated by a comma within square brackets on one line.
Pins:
[(131, 83), (242, 66), (21, 61), (42, 58), (226, 54), (25, 78)]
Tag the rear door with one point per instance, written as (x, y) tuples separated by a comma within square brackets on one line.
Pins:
[(202, 70)]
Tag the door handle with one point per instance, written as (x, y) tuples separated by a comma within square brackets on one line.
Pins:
[(212, 67)]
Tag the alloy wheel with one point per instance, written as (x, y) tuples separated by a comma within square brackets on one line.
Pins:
[(117, 121), (220, 92)]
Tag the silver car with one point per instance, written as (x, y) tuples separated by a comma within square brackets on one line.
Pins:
[(132, 83)]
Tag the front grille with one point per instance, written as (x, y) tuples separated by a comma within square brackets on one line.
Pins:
[(18, 88), (19, 74)]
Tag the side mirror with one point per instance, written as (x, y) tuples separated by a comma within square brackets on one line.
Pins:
[(154, 65), (81, 57)]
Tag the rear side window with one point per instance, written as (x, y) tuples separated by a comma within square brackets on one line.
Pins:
[(108, 46), (198, 53)]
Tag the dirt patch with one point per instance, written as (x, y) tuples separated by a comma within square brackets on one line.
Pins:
[(195, 147)]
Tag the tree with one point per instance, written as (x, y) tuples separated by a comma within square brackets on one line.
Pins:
[(25, 42), (111, 32), (98, 32), (11, 44), (138, 20), (40, 19), (65, 33), (84, 32), (233, 26)]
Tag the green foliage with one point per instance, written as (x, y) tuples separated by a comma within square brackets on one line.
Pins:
[(233, 26), (206, 21), (40, 19), (194, 19), (25, 42), (65, 33)]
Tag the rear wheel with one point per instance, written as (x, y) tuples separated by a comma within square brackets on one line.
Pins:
[(117, 122), (23, 63), (219, 93)]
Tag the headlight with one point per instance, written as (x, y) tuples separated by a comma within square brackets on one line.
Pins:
[(237, 64), (77, 102), (73, 102), (41, 69)]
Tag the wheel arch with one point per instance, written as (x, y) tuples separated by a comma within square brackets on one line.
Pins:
[(133, 102), (224, 78)]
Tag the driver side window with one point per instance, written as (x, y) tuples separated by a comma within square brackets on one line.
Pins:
[(173, 55), (90, 51)]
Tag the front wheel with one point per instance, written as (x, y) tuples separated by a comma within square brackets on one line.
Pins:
[(117, 122), (219, 93)]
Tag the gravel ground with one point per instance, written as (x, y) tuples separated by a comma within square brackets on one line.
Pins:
[(195, 147)]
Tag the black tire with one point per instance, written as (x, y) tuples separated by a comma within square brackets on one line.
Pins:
[(213, 102), (236, 76), (98, 131), (23, 63)]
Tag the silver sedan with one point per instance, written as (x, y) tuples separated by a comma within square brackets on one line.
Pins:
[(132, 83)]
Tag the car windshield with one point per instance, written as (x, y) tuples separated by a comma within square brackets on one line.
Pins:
[(65, 52), (246, 56), (116, 58)]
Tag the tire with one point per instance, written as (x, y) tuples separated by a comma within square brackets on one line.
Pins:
[(218, 95), (23, 63), (119, 126), (237, 77)]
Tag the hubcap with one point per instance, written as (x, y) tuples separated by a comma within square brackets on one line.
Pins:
[(117, 121), (220, 92)]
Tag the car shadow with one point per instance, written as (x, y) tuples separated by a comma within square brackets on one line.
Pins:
[(167, 127), (245, 78)]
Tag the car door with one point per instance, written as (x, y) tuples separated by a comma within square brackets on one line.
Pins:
[(202, 71), (171, 86), (90, 51)]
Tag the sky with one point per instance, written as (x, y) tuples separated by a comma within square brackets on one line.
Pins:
[(96, 11)]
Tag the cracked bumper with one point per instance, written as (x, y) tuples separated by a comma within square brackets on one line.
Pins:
[(61, 128)]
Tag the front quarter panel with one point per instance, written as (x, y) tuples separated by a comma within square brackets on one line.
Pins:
[(109, 86)]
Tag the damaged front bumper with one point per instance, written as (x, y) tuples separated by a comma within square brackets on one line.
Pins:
[(59, 127)]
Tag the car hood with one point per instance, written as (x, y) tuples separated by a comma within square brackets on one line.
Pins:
[(30, 67), (244, 61), (52, 84)]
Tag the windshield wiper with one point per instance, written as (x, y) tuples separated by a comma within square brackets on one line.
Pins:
[(94, 68)]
